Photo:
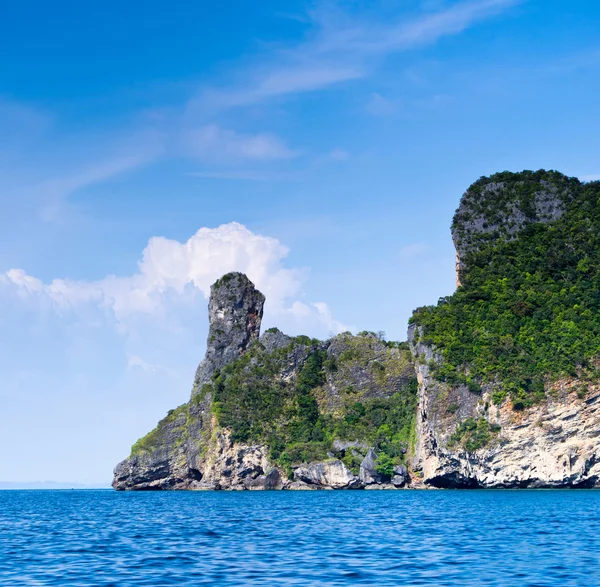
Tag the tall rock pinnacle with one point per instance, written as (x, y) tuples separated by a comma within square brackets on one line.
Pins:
[(235, 313)]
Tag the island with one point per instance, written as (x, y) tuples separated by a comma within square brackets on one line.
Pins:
[(497, 385)]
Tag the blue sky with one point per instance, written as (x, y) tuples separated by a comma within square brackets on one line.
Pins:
[(147, 148)]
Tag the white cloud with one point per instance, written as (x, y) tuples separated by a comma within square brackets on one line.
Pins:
[(325, 315), (215, 144), (25, 283), (430, 27), (338, 47), (297, 78), (136, 362), (359, 37), (54, 192), (169, 267)]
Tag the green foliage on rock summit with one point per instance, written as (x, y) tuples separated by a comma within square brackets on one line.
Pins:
[(528, 309)]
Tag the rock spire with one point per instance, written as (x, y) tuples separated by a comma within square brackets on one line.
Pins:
[(235, 313)]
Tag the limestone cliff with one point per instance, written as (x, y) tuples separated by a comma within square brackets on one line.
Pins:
[(509, 392), (502, 207), (555, 443), (497, 386), (274, 411), (234, 313)]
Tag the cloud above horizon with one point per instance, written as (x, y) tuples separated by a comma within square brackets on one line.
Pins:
[(169, 268)]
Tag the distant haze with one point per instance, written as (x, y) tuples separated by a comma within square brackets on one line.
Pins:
[(51, 485)]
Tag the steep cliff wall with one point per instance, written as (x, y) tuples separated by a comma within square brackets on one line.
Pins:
[(465, 440), (186, 450), (509, 392), (235, 312)]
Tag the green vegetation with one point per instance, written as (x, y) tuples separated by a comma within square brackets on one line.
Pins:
[(473, 434), (226, 279), (528, 310), (452, 408), (272, 330), (255, 399), (156, 437), (384, 465)]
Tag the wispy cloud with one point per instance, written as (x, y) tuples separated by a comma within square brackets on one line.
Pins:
[(215, 144), (54, 192), (244, 175), (383, 38), (378, 105), (137, 362), (44, 167), (333, 157), (338, 47), (341, 47), (298, 78)]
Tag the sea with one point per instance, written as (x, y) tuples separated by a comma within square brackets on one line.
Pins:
[(401, 538)]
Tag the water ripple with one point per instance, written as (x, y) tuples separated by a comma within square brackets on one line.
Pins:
[(402, 538)]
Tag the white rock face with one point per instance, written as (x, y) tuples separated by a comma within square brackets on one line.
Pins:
[(554, 444), (367, 473), (331, 473), (228, 465)]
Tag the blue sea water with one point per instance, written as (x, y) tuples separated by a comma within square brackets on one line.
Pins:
[(454, 538)]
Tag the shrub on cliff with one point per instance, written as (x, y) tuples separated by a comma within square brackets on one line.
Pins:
[(259, 403)]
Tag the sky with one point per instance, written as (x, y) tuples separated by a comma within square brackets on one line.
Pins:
[(147, 148)]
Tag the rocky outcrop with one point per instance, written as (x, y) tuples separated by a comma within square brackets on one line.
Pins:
[(476, 437), (501, 208), (235, 313), (368, 474), (553, 444), (186, 450), (271, 480), (277, 412), (218, 464), (331, 473), (401, 477), (198, 446)]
